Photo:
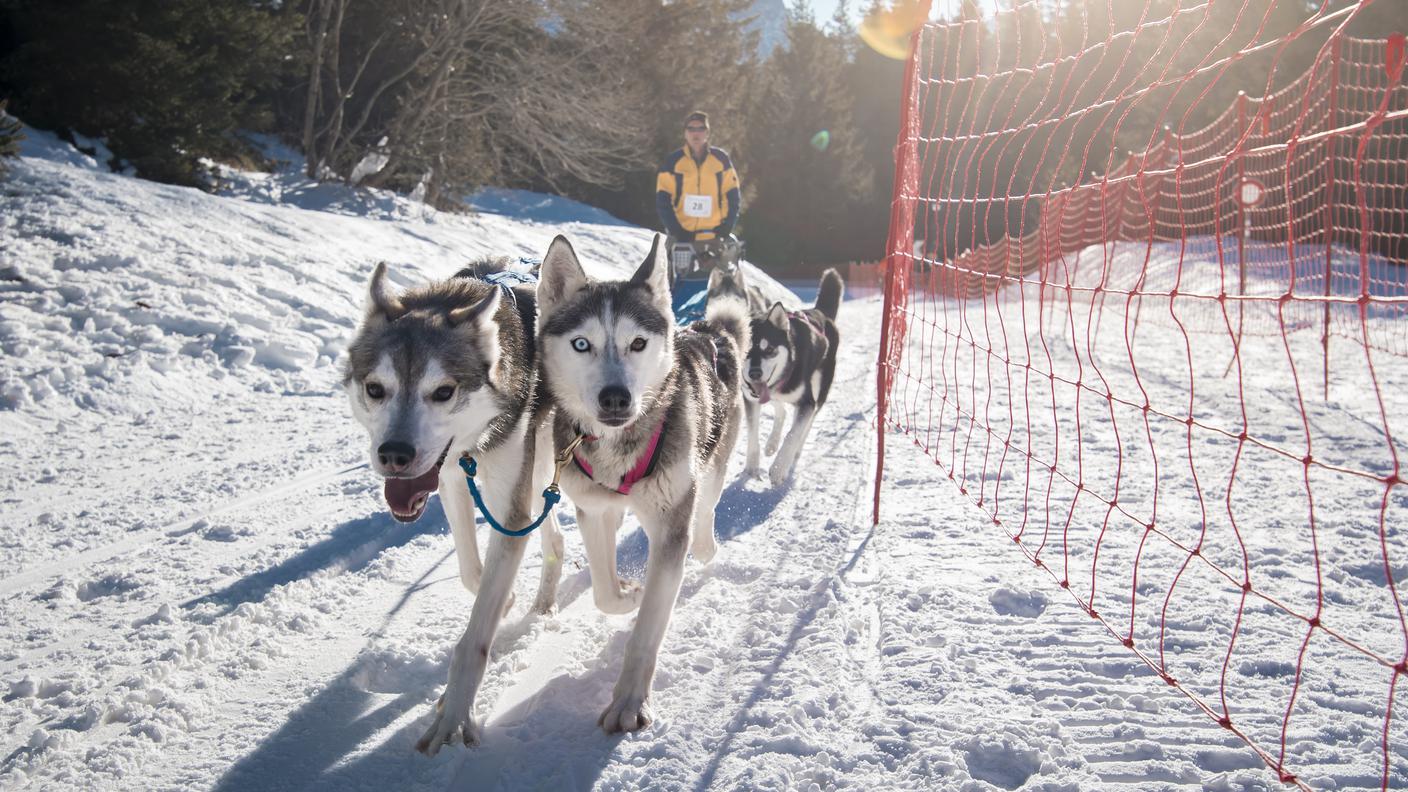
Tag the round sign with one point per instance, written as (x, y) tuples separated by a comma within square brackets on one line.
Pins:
[(1250, 192)]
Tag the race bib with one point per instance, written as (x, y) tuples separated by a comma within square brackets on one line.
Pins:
[(698, 205)]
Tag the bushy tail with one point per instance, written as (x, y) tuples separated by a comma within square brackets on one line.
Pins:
[(828, 297)]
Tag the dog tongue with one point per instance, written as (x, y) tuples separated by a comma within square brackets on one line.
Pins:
[(401, 493), (760, 388)]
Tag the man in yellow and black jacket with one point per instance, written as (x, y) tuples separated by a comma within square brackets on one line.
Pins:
[(696, 191)]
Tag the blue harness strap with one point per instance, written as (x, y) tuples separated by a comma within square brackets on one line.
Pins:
[(550, 498)]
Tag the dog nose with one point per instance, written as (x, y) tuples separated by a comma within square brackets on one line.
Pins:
[(395, 456), (755, 373), (614, 399)]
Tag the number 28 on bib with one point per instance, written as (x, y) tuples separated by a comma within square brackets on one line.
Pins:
[(698, 205)]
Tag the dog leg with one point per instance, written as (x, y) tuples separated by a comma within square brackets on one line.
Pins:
[(792, 446), (630, 707), (459, 511), (779, 416), (546, 600), (754, 466), (611, 593), (454, 714), (703, 546)]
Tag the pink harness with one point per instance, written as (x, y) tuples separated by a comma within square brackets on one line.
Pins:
[(643, 467)]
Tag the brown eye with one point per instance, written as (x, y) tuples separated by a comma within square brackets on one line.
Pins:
[(638, 345), (375, 391), (443, 393)]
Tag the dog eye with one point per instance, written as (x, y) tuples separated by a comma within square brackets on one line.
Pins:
[(443, 393), (581, 344), (375, 391), (770, 352), (638, 344)]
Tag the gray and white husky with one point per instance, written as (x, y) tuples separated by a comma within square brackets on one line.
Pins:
[(441, 371), (650, 414), (791, 360)]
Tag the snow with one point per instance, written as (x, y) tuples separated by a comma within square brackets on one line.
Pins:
[(203, 589)]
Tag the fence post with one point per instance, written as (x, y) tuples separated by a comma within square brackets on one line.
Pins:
[(1329, 209), (899, 257)]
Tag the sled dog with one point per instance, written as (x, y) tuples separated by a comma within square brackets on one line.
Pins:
[(650, 415), (447, 370), (791, 360)]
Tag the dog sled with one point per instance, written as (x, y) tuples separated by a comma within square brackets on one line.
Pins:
[(690, 265)]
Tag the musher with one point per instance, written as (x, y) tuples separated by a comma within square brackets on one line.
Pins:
[(697, 197)]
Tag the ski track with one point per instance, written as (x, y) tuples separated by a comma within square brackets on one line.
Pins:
[(804, 657)]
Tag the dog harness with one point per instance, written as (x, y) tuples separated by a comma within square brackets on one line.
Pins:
[(643, 467)]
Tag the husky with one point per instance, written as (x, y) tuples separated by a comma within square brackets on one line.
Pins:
[(791, 360), (650, 415), (446, 371)]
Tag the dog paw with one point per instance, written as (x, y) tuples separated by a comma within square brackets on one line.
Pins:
[(545, 606), (753, 471), (451, 723), (777, 474), (704, 550), (626, 713), (626, 600)]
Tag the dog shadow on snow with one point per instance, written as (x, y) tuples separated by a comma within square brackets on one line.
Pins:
[(349, 547), (549, 740)]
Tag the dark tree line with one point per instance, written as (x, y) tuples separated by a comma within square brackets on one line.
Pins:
[(440, 97), (585, 97)]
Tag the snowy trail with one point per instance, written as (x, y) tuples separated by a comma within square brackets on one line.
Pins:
[(202, 588)]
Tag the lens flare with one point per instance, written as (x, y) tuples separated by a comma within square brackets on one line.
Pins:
[(888, 31), (821, 140)]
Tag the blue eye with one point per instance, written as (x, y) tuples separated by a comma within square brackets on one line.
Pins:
[(581, 344)]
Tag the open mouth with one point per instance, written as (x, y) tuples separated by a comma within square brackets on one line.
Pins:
[(406, 497)]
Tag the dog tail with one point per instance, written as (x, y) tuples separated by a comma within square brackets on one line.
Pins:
[(483, 268), (828, 296)]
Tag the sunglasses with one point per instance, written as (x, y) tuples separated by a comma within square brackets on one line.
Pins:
[(696, 129)]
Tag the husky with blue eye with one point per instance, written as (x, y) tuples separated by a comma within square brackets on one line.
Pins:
[(447, 371), (649, 415), (791, 360)]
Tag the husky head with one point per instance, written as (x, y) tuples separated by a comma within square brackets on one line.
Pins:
[(770, 352), (607, 346), (423, 374)]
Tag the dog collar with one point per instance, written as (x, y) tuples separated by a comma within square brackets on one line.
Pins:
[(643, 467)]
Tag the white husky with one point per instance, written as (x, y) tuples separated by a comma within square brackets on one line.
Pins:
[(440, 372), (650, 415)]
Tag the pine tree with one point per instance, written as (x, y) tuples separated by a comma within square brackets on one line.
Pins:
[(162, 81), (686, 55), (812, 188)]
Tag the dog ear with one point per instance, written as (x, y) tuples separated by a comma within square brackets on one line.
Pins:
[(480, 314), (561, 273), (382, 299), (778, 315), (654, 272)]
